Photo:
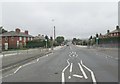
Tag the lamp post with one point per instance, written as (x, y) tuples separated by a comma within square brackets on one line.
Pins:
[(51, 43), (54, 35)]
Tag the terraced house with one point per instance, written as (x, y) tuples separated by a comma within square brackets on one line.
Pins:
[(110, 39), (15, 39)]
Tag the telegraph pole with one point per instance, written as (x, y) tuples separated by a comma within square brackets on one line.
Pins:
[(54, 33)]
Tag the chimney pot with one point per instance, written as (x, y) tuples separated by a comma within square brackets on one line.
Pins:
[(17, 30), (26, 32), (117, 27), (108, 31)]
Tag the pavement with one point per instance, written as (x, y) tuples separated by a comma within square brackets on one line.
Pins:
[(67, 64)]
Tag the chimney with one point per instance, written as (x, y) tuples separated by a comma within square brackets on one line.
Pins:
[(17, 30), (26, 32), (108, 31), (100, 34), (117, 27)]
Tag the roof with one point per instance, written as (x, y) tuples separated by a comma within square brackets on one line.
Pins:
[(114, 31), (13, 33)]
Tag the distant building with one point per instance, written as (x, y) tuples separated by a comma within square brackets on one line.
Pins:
[(15, 39), (39, 37), (110, 39)]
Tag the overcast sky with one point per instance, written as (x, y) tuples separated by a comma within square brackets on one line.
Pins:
[(72, 19)]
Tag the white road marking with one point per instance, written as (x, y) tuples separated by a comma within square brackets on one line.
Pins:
[(71, 67), (69, 77), (38, 59), (83, 72), (75, 52), (70, 48), (12, 73), (69, 55), (23, 66), (92, 74), (17, 69), (75, 75), (6, 68), (63, 76), (7, 76)]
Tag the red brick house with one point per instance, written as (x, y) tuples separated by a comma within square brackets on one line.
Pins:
[(15, 39), (110, 39)]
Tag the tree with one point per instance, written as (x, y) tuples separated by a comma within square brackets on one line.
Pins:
[(60, 40), (3, 30)]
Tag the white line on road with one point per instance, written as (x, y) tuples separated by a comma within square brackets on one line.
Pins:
[(69, 55), (70, 70), (83, 72), (63, 76), (22, 66), (38, 59), (71, 67), (12, 73), (17, 69), (75, 75), (29, 63), (7, 76), (92, 74)]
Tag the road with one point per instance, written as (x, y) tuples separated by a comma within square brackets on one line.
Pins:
[(68, 64)]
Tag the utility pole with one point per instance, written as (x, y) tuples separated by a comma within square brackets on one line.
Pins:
[(54, 33), (51, 42)]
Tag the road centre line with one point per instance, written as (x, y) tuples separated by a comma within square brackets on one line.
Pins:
[(92, 74), (63, 75), (83, 72), (71, 67)]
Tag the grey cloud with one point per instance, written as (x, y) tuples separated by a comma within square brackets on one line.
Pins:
[(71, 19)]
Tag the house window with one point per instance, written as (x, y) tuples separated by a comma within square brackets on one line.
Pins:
[(12, 38), (24, 38), (28, 38), (31, 38), (6, 38), (20, 38)]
